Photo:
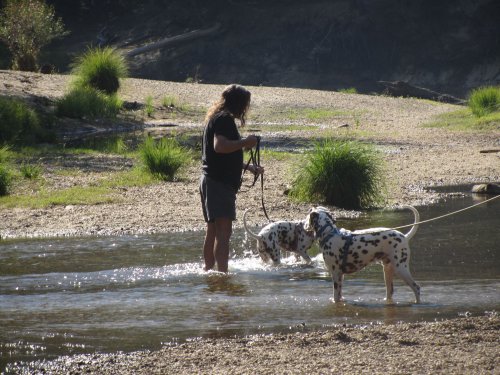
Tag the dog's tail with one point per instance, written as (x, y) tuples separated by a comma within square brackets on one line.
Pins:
[(413, 229), (252, 234)]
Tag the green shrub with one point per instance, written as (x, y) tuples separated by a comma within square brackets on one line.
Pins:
[(484, 100), (25, 27), (5, 180), (88, 102), (341, 173), (163, 158), (100, 68), (18, 122)]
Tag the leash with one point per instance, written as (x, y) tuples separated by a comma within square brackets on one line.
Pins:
[(448, 214), (255, 160)]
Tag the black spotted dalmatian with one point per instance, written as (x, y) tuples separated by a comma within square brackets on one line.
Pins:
[(347, 252), (281, 236)]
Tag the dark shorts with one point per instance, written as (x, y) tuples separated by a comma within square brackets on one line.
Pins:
[(217, 200)]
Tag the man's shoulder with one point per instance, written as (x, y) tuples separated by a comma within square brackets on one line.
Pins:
[(223, 122), (222, 117)]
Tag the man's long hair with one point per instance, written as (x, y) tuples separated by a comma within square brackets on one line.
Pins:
[(235, 99)]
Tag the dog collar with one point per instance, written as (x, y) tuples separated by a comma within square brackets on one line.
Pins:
[(319, 233), (329, 235)]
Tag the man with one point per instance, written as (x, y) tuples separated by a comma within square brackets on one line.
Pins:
[(222, 164)]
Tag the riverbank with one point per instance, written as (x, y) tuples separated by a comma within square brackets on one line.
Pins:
[(417, 157), (467, 345)]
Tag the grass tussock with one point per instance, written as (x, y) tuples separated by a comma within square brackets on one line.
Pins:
[(163, 158), (19, 124), (30, 171), (101, 69), (93, 93), (88, 102), (5, 180), (345, 174), (484, 101), (5, 154), (149, 108)]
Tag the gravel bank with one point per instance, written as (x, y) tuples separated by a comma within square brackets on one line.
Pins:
[(458, 346)]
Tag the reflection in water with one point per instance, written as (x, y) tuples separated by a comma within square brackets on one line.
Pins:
[(80, 295), (227, 284)]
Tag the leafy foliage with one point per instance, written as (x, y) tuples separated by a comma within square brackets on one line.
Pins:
[(26, 26), (342, 173)]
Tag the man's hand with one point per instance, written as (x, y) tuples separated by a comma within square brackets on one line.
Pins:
[(250, 141)]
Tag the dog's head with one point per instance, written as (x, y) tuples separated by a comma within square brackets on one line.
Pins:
[(301, 233), (318, 218)]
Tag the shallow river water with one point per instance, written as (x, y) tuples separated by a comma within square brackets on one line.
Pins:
[(81, 295)]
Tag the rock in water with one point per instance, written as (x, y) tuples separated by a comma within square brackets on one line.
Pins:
[(493, 189)]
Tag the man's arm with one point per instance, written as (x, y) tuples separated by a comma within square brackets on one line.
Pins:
[(222, 145)]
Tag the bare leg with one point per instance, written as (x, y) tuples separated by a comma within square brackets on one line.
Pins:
[(223, 231), (208, 247)]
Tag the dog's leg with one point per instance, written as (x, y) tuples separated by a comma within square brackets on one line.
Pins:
[(301, 253), (262, 250), (306, 257), (404, 273), (337, 278), (388, 278)]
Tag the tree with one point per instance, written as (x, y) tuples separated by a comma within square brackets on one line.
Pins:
[(25, 27)]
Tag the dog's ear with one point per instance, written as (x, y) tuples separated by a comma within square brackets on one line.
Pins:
[(310, 220)]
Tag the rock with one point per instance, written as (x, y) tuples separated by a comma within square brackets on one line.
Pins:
[(493, 189)]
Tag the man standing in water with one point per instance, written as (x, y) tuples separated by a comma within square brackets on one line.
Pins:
[(222, 164)]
